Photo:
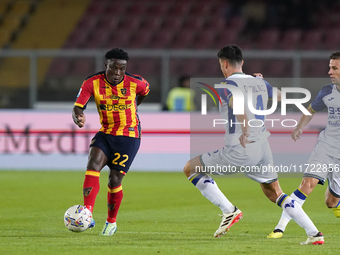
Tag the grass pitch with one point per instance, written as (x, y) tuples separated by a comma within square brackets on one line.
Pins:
[(161, 213)]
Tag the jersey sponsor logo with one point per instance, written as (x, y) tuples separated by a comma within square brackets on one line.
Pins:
[(114, 107), (131, 129), (113, 97)]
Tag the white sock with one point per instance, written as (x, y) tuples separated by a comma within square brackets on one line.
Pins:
[(295, 211), (210, 190), (300, 198)]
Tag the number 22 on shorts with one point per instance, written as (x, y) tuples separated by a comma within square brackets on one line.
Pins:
[(118, 161)]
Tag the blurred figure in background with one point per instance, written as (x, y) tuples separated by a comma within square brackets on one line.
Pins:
[(181, 98)]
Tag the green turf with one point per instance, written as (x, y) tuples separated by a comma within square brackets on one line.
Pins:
[(161, 213)]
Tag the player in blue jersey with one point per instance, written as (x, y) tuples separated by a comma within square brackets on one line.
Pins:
[(324, 162), (245, 145)]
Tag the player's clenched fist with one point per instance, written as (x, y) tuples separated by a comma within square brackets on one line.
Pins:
[(79, 120), (296, 134)]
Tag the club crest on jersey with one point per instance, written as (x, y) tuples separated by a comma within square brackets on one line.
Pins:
[(123, 91), (87, 191)]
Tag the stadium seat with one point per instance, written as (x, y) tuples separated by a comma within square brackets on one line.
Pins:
[(225, 37), (140, 39), (138, 9), (278, 68), (311, 40), (118, 9), (130, 24), (217, 23), (331, 40), (210, 68), (172, 23), (119, 38), (190, 67), (201, 9), (88, 23), (179, 9), (97, 8), (77, 39), (291, 39), (204, 39), (183, 39), (98, 38), (108, 22), (59, 67), (193, 23), (252, 66), (83, 67), (147, 67), (314, 68), (159, 9), (151, 23), (161, 40), (268, 39)]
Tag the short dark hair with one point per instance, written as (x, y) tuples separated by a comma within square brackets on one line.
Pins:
[(182, 79), (335, 55), (232, 53), (117, 54)]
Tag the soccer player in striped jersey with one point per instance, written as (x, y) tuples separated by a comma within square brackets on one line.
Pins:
[(245, 145), (324, 162), (117, 95)]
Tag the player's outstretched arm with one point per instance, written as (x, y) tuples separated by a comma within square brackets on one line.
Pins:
[(78, 116), (305, 119), (140, 99)]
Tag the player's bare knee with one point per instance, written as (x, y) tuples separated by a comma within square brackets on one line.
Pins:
[(186, 169)]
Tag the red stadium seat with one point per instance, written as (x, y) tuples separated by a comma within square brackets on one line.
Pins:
[(183, 39), (83, 67), (331, 40), (145, 67), (151, 23), (117, 9), (225, 37), (130, 23), (179, 9), (204, 39), (190, 67), (159, 9), (291, 39), (59, 67), (268, 39), (88, 23), (119, 38), (161, 40), (97, 8), (210, 68), (278, 68), (140, 39), (311, 40), (201, 9), (139, 8), (98, 39), (108, 22), (193, 23), (77, 39), (172, 23)]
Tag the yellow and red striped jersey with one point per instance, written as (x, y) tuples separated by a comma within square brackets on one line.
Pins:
[(116, 104)]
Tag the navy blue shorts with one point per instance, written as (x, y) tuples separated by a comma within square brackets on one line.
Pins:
[(119, 150)]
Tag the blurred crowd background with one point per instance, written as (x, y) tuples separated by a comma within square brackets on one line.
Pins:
[(161, 26)]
